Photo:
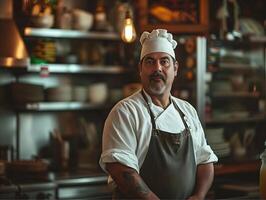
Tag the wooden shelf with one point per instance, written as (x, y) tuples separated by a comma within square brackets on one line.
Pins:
[(223, 169)]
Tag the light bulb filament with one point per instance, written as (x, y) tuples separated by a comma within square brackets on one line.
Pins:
[(128, 32)]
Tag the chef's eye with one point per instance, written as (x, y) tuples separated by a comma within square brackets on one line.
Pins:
[(165, 62), (149, 61)]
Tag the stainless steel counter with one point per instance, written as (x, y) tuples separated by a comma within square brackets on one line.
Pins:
[(82, 185), (63, 185)]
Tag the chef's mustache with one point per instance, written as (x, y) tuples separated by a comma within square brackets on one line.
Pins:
[(157, 75)]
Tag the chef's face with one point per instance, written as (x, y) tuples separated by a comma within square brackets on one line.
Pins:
[(157, 73)]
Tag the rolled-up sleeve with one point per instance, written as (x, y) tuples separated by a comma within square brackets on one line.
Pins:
[(119, 139)]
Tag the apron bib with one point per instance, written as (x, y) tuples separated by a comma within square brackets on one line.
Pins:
[(169, 168)]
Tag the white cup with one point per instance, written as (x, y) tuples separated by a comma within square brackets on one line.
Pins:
[(97, 93)]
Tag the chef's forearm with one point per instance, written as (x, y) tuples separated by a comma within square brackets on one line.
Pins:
[(129, 182), (205, 174)]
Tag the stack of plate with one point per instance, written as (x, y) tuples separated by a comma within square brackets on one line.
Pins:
[(216, 140)]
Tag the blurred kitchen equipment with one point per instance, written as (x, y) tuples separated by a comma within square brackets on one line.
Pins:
[(27, 170), (63, 47), (96, 54), (82, 20), (80, 93), (2, 167), (60, 151), (25, 92), (240, 145), (6, 152), (88, 156), (249, 26), (215, 138), (97, 92), (100, 17), (60, 93), (26, 166), (64, 18)]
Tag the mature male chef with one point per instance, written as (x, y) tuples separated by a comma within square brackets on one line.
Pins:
[(153, 143)]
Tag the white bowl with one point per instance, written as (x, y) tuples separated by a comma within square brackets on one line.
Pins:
[(82, 20), (44, 21)]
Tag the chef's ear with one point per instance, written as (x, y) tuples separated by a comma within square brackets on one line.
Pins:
[(176, 65)]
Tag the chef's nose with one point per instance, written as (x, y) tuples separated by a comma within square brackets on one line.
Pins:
[(158, 66)]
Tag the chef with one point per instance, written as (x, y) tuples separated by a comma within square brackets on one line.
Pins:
[(153, 143)]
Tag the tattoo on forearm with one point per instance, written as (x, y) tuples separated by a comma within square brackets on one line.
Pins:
[(136, 186)]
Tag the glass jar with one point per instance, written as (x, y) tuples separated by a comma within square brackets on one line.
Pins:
[(263, 174)]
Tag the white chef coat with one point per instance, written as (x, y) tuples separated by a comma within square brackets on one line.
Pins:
[(127, 130)]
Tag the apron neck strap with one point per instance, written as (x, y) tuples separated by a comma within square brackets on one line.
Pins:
[(181, 114), (153, 118), (151, 114)]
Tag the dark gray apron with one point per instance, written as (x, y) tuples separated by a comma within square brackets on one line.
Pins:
[(169, 168)]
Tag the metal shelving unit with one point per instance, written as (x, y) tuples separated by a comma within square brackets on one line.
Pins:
[(71, 34)]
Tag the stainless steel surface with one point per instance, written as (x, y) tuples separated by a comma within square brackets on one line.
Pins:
[(74, 68), (84, 192), (61, 33), (201, 70), (12, 49), (89, 187), (37, 191), (100, 179), (8, 191), (37, 186)]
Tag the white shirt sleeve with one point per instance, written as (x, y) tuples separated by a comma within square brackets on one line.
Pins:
[(119, 139), (203, 152)]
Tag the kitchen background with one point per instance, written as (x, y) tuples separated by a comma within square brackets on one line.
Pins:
[(63, 65)]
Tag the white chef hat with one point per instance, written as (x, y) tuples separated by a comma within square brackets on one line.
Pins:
[(157, 41)]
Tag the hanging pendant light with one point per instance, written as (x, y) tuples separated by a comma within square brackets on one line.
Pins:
[(128, 33)]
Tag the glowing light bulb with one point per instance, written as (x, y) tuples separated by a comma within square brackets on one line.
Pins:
[(128, 33)]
